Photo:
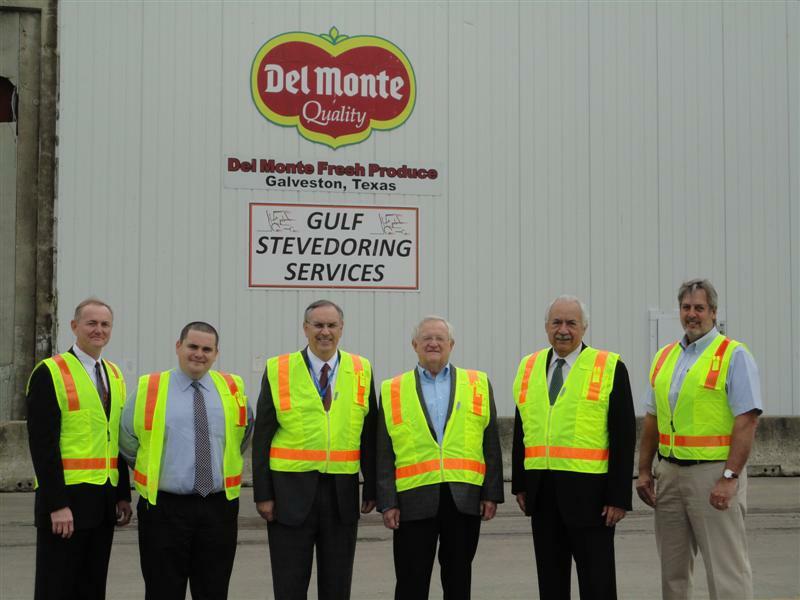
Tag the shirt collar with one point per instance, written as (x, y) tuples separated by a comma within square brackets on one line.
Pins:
[(316, 362), (424, 372), (87, 361), (569, 358), (700, 344), (183, 381)]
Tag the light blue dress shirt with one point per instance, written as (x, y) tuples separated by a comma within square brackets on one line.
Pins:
[(178, 460), (436, 393), (742, 384)]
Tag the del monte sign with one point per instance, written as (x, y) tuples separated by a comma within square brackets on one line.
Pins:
[(333, 88)]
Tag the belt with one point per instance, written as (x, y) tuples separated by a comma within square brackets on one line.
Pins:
[(684, 462)]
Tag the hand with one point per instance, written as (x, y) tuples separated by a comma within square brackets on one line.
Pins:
[(124, 513), (367, 506), (62, 522), (521, 497), (391, 518), (722, 493), (266, 509), (613, 515), (646, 488), (488, 510)]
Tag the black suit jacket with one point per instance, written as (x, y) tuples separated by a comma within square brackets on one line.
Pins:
[(423, 502), (294, 493), (91, 504), (581, 496)]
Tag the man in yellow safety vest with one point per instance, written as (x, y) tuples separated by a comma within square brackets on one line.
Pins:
[(440, 469), (574, 436), (702, 405), (74, 402)]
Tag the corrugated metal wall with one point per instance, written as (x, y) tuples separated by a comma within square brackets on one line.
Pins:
[(610, 150)]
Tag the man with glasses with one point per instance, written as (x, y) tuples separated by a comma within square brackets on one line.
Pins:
[(702, 406), (315, 430)]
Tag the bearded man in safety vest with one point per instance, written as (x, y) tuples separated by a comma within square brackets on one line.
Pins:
[(74, 402), (702, 406), (184, 434), (574, 437), (315, 429), (440, 468)]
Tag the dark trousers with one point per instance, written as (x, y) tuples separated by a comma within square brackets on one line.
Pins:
[(291, 550), (74, 568), (415, 549), (187, 538), (556, 543)]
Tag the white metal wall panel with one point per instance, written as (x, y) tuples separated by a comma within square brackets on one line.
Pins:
[(609, 150)]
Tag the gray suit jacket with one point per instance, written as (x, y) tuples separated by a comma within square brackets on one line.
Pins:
[(423, 502)]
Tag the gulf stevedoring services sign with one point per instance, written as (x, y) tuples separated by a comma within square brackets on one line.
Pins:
[(334, 88), (323, 246)]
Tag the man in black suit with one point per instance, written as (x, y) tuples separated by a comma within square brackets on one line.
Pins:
[(574, 437), (74, 401), (315, 428), (440, 469)]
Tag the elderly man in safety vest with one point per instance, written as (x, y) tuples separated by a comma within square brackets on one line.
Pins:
[(574, 437), (184, 435), (74, 401), (439, 464), (315, 430), (702, 406)]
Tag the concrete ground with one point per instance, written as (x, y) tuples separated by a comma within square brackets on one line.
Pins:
[(503, 567)]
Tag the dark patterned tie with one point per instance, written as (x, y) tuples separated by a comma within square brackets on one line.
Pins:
[(102, 390), (203, 479), (556, 381), (323, 384)]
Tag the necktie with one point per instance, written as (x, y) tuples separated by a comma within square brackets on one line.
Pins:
[(102, 391), (556, 381), (203, 480), (323, 384)]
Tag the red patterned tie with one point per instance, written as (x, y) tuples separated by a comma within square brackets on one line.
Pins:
[(323, 384)]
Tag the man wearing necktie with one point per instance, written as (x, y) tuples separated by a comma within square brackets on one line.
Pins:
[(572, 457), (440, 468), (315, 429), (184, 434), (74, 402)]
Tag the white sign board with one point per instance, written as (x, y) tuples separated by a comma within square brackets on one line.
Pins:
[(323, 246)]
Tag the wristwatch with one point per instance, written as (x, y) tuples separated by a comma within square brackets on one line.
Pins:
[(728, 474)]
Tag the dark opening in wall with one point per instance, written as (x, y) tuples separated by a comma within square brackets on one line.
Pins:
[(8, 101)]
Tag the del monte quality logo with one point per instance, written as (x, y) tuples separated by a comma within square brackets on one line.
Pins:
[(334, 88)]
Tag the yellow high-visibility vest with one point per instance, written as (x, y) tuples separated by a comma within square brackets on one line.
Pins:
[(149, 422), (309, 438), (571, 435), (88, 440), (701, 426), (419, 459)]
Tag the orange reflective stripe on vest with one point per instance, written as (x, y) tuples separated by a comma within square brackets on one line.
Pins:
[(477, 399), (716, 361), (523, 392), (69, 383), (358, 368), (234, 390), (86, 464), (452, 464), (697, 441), (139, 477), (233, 481), (662, 357), (284, 395), (150, 400), (314, 455), (566, 452), (397, 411), (113, 369), (596, 382)]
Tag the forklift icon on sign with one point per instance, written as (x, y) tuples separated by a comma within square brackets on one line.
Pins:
[(279, 220), (392, 224)]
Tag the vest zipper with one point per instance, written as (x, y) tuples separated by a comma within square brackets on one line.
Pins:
[(547, 438), (328, 436)]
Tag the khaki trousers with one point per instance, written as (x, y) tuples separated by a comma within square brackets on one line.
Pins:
[(685, 521)]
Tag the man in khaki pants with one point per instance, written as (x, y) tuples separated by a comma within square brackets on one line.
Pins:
[(702, 407)]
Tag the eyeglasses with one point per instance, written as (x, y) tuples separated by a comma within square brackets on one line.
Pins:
[(320, 326)]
